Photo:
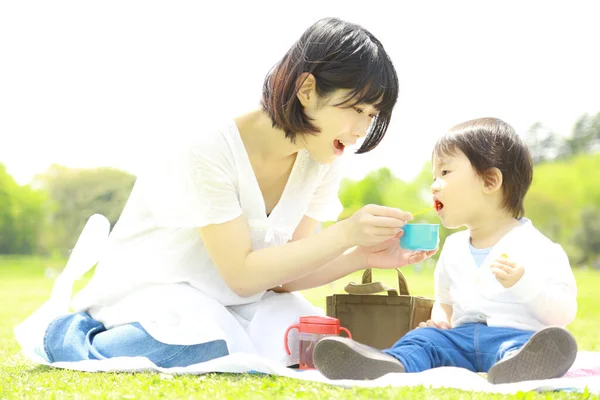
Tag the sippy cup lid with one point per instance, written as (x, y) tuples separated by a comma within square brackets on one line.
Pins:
[(314, 319)]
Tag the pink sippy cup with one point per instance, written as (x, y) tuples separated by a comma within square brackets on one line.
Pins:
[(312, 329)]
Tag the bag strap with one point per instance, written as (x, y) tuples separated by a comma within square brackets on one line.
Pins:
[(369, 287)]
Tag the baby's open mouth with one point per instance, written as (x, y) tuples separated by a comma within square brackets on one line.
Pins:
[(338, 145), (438, 205)]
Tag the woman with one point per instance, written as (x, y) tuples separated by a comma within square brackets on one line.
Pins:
[(215, 237)]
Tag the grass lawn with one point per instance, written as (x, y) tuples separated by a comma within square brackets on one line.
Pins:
[(25, 283)]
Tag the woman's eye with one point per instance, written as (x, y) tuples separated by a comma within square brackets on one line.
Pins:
[(445, 172), (358, 110)]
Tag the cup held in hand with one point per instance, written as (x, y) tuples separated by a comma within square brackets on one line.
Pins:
[(419, 237)]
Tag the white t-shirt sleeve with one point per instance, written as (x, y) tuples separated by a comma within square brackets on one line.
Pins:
[(193, 186), (325, 203)]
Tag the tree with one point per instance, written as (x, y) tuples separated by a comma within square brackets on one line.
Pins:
[(588, 236), (585, 137), (544, 144), (354, 195), (21, 216), (77, 194), (8, 188)]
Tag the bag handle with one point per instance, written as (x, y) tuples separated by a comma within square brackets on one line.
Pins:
[(369, 287)]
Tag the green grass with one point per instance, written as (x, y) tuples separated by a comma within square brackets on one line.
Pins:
[(25, 283)]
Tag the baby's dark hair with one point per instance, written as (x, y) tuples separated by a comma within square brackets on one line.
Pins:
[(492, 143), (340, 55)]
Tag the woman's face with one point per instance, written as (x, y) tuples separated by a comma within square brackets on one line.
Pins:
[(339, 126)]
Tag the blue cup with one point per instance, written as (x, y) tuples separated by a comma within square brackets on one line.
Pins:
[(420, 237)]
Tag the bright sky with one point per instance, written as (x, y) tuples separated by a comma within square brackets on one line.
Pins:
[(88, 84)]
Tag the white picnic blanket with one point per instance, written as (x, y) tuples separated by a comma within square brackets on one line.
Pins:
[(446, 377)]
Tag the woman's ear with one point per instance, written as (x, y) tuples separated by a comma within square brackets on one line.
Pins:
[(307, 89), (492, 180)]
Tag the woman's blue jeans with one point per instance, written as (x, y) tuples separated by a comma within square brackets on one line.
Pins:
[(77, 337)]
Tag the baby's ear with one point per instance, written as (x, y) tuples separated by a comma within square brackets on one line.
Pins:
[(492, 179)]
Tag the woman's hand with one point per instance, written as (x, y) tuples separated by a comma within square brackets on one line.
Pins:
[(373, 225), (435, 324), (389, 254)]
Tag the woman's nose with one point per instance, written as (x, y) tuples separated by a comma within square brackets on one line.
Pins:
[(364, 127)]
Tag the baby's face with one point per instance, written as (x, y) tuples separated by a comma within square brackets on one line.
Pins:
[(457, 190)]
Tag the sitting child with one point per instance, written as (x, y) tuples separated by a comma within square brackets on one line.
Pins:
[(504, 292)]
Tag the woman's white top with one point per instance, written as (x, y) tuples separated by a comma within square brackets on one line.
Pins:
[(155, 269)]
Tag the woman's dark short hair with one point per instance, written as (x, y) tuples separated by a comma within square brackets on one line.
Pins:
[(492, 143), (340, 55)]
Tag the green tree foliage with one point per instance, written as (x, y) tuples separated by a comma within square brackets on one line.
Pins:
[(559, 193), (354, 195), (587, 237), (22, 216), (79, 193), (546, 145), (584, 138)]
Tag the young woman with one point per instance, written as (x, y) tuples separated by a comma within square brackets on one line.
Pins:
[(216, 235)]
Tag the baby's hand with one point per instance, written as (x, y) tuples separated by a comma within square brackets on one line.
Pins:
[(434, 324), (506, 272)]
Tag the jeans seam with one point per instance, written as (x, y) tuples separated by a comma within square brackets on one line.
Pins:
[(50, 358), (476, 344), (172, 356), (407, 369), (187, 347)]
